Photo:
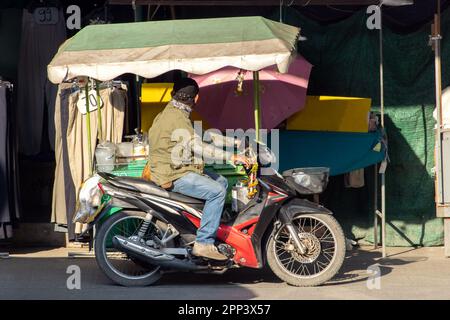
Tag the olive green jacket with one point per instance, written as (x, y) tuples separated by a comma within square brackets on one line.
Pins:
[(175, 149)]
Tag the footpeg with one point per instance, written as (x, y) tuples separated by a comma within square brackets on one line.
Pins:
[(206, 262)]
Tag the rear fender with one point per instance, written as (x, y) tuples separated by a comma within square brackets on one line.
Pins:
[(131, 200), (107, 212)]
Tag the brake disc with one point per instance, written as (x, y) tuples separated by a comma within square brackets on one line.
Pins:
[(312, 246)]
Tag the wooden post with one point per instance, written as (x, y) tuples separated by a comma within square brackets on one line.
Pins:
[(441, 202)]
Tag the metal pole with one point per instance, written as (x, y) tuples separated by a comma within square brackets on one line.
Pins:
[(88, 124), (383, 214), (375, 206), (137, 10), (256, 103), (383, 180), (99, 111)]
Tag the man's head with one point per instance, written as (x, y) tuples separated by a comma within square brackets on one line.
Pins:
[(186, 91)]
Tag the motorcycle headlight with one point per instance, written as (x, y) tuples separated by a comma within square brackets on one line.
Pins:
[(308, 180)]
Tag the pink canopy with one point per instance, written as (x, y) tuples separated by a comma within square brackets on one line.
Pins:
[(281, 96)]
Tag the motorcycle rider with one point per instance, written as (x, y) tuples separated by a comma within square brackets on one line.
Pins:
[(175, 162)]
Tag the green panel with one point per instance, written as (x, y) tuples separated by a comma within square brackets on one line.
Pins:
[(232, 173), (133, 169), (161, 33)]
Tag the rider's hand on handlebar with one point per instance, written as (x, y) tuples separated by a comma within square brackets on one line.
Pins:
[(237, 158)]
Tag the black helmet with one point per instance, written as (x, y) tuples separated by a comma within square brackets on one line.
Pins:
[(185, 90)]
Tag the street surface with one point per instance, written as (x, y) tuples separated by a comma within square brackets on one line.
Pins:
[(406, 274)]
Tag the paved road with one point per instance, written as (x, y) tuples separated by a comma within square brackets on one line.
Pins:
[(406, 274)]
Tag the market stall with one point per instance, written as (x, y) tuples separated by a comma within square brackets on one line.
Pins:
[(103, 52)]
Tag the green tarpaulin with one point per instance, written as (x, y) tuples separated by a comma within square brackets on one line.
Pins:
[(345, 56)]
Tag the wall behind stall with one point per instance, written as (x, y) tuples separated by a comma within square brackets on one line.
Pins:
[(10, 27), (345, 56), (37, 172)]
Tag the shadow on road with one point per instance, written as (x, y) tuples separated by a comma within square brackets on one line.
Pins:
[(357, 263)]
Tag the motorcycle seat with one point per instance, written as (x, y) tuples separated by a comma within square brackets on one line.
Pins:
[(185, 199), (149, 187)]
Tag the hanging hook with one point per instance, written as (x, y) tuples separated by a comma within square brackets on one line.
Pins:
[(306, 4), (240, 79)]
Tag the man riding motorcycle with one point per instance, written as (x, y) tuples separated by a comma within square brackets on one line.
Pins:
[(176, 164)]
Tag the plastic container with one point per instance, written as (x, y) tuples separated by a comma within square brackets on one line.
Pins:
[(233, 174), (239, 198), (140, 146), (105, 156), (124, 149), (312, 180)]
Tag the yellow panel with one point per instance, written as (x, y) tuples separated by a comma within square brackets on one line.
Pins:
[(326, 113), (156, 92), (154, 97)]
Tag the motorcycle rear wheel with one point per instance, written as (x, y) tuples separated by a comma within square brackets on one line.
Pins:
[(325, 242), (144, 274)]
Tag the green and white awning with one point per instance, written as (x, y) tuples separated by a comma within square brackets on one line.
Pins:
[(198, 46)]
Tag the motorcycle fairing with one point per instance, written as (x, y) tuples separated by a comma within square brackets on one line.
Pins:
[(235, 237)]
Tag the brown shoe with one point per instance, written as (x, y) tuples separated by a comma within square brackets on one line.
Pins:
[(207, 251)]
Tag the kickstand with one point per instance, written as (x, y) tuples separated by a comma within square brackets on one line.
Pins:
[(90, 253)]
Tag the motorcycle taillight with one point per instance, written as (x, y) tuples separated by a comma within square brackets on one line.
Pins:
[(100, 186)]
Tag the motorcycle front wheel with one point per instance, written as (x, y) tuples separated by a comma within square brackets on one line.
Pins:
[(116, 265), (324, 241)]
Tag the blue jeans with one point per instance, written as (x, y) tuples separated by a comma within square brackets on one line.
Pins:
[(211, 188)]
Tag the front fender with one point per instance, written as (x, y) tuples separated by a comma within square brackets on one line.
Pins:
[(299, 206)]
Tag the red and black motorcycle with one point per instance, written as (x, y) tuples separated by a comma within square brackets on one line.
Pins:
[(144, 231)]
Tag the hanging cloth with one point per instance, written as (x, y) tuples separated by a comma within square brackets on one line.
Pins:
[(354, 179), (39, 42), (5, 219), (71, 153)]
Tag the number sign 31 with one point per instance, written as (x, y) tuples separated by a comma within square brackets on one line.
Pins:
[(46, 15)]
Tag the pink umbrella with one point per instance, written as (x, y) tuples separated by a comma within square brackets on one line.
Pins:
[(281, 96)]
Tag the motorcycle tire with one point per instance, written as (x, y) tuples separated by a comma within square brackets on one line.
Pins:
[(329, 272), (100, 254)]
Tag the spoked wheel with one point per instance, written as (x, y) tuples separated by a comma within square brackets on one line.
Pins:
[(118, 266), (324, 241)]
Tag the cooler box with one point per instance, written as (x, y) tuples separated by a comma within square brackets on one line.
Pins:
[(132, 169), (338, 114)]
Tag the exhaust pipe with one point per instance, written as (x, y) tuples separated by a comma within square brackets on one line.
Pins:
[(154, 256)]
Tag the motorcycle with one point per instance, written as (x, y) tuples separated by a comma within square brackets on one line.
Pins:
[(143, 231)]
